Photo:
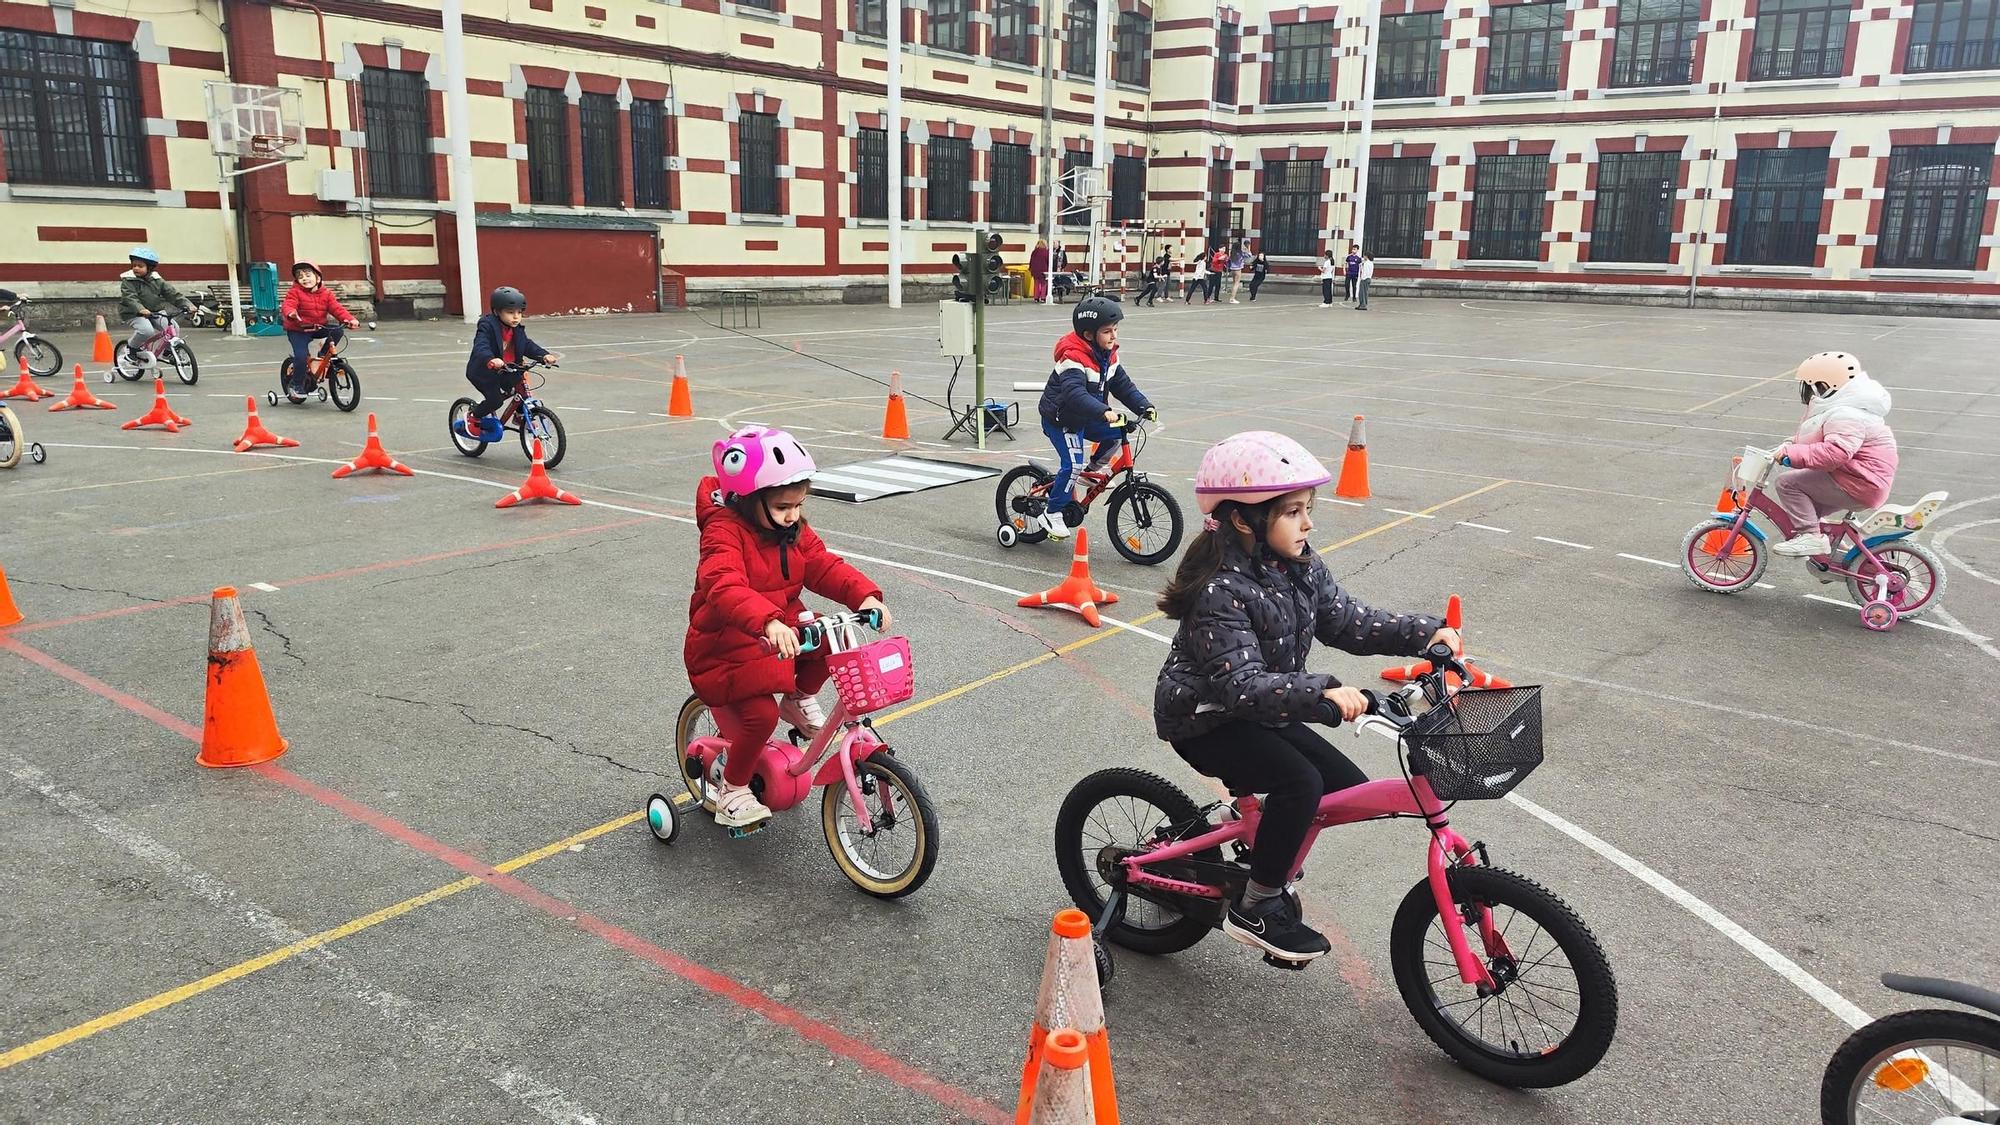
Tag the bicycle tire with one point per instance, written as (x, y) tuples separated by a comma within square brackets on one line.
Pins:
[(11, 443), (1078, 869), (1026, 529), (339, 375), (1597, 991), (42, 357), (1140, 497), (1887, 552), (1760, 557), (554, 446), (461, 410), (185, 367), (1862, 1054), (285, 382), (876, 767), (684, 723)]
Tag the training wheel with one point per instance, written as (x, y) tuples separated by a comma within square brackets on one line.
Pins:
[(322, 392), (1007, 535), (1879, 616), (662, 818), (271, 397), (37, 453), (111, 376)]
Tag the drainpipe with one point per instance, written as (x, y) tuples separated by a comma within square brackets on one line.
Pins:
[(325, 76)]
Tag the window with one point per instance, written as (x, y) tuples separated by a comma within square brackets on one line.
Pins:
[(1507, 197), (1774, 206), (871, 17), (1135, 49), (1222, 216), (1128, 188), (949, 174), (1301, 62), (873, 173), (1655, 43), (548, 145), (396, 118), (1934, 206), (1228, 62), (1800, 39), (1012, 180), (766, 5), (950, 26), (1291, 207), (649, 155), (757, 159), (1399, 190), (1013, 39), (1635, 206), (1954, 35), (1407, 65), (598, 115), (1077, 214), (1526, 49), (1082, 38), (69, 111)]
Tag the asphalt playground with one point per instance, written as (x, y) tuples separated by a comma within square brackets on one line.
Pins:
[(441, 903)]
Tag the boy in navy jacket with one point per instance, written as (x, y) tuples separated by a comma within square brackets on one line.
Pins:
[(498, 342), (1074, 406)]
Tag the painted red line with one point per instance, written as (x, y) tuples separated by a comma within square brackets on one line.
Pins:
[(834, 1040)]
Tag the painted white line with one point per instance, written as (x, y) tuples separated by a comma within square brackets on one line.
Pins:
[(1938, 544), (264, 586), (1765, 586), (576, 409), (1403, 512), (1985, 645), (1566, 543), (1328, 499), (609, 410), (549, 1101), (1484, 527), (438, 400), (1644, 559), (384, 398), (657, 414), (1954, 628)]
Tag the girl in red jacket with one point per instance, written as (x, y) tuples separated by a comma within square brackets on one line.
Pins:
[(757, 555), (310, 309)]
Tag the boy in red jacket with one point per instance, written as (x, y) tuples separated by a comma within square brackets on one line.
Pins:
[(310, 310), (757, 555)]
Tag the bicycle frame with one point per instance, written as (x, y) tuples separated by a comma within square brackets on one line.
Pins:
[(1752, 498), (1125, 462)]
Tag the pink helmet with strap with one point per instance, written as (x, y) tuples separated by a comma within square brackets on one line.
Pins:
[(758, 457), (1254, 466)]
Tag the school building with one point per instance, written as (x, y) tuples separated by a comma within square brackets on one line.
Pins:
[(1825, 154)]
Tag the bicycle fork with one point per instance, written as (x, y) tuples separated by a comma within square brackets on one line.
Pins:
[(1449, 849)]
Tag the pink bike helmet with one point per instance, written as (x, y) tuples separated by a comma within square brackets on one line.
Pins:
[(1254, 466), (758, 457)]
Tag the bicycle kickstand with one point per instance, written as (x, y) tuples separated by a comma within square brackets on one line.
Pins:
[(1114, 913)]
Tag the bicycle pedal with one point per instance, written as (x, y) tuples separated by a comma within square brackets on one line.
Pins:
[(739, 832), (1280, 962)]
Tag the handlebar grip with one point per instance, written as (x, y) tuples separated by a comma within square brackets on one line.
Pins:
[(1374, 701)]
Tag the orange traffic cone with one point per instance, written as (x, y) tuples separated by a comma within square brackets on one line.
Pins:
[(9, 613), (895, 420), (26, 388), (1067, 1004), (80, 397), (237, 727), (373, 456), (1353, 484), (1712, 542), (1076, 592), (1061, 1091), (161, 415), (1453, 616), (680, 404), (538, 486), (254, 433), (100, 347)]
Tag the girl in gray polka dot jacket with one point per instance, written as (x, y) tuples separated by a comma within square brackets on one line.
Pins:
[(1234, 697)]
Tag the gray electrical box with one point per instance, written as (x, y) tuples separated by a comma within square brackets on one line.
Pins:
[(955, 328)]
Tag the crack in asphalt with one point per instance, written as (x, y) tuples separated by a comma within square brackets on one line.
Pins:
[(435, 574), (465, 711), (1807, 803), (85, 589), (261, 616)]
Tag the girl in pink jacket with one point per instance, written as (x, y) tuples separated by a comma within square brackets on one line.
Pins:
[(1844, 456)]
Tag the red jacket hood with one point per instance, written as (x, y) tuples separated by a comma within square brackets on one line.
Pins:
[(1074, 348)]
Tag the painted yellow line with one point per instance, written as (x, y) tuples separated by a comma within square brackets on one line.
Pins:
[(1793, 373), (1433, 509)]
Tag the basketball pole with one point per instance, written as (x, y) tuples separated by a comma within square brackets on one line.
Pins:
[(892, 131), (1100, 153), (458, 127), (227, 180)]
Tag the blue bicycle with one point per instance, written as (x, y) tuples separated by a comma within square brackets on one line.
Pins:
[(523, 413)]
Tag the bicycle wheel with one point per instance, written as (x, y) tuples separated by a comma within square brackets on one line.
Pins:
[(549, 429), (454, 418), (1017, 506), (10, 437), (1115, 813), (695, 722), (285, 383), (1878, 1074), (345, 385), (1916, 578), (898, 855), (1539, 1032), (182, 357), (1704, 564), (1145, 522), (127, 368), (43, 358)]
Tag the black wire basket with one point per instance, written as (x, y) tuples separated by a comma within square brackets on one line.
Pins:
[(1477, 745)]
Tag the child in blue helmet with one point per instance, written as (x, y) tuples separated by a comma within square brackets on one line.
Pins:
[(146, 300), (1074, 407)]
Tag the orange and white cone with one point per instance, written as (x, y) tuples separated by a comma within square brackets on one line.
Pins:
[(1061, 1086), (237, 727), (680, 403), (80, 397), (1353, 483), (1077, 591), (538, 486), (896, 419), (161, 415), (1069, 1003), (100, 345), (9, 612), (1712, 542), (373, 456), (254, 433), (1454, 615), (26, 388)]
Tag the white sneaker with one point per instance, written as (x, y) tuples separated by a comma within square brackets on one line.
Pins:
[(1234, 301), (1803, 546), (1325, 304), (803, 713), (1054, 524), (737, 807)]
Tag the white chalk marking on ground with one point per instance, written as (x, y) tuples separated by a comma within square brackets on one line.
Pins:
[(1938, 545), (1644, 559), (577, 409), (657, 414), (264, 586), (610, 410), (1765, 586), (1985, 643), (547, 1100), (1566, 543), (1484, 527), (1401, 512), (1328, 499), (439, 400)]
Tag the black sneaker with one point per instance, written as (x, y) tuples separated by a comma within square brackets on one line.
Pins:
[(1276, 927)]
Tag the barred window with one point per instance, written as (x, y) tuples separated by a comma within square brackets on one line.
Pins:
[(1013, 39), (871, 17), (1292, 195), (1954, 35), (1407, 64), (1077, 214), (1656, 41), (1635, 207), (1934, 206), (1800, 39), (548, 145), (1507, 197), (766, 5), (1774, 206), (1301, 62), (757, 158), (1012, 179), (396, 121), (649, 155), (1081, 57), (949, 174), (1399, 190), (950, 26), (1228, 62), (1128, 188), (598, 115), (1525, 53), (1221, 209), (1135, 49), (873, 173), (69, 111)]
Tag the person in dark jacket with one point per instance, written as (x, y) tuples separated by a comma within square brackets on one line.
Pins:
[(1234, 696), (1259, 267), (1074, 407), (499, 340), (310, 310), (1353, 271), (146, 300)]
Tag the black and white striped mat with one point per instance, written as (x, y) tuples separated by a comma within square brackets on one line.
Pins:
[(892, 476)]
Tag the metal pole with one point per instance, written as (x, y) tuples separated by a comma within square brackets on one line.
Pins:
[(227, 179), (1707, 195), (1050, 194), (893, 128), (979, 332), (1360, 221), (1100, 155), (458, 127)]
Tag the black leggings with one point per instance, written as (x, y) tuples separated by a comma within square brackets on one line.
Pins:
[(1256, 279), (497, 386), (1292, 764)]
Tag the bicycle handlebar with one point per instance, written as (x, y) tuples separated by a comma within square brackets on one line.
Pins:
[(812, 634)]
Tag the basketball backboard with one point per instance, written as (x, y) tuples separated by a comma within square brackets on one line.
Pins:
[(255, 122)]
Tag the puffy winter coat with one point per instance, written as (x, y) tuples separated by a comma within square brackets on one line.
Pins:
[(1083, 378), (1240, 653), (749, 577), (305, 308), (152, 292), (1844, 434)]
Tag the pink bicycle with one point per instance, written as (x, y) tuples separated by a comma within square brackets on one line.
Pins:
[(42, 357), (164, 347), (1497, 970), (1889, 575), (880, 825)]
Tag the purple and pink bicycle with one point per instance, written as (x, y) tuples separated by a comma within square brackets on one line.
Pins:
[(1497, 970), (1889, 575)]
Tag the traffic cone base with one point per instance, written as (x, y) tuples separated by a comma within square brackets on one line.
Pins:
[(538, 486), (1076, 592), (1454, 616), (237, 727), (680, 403), (80, 397), (254, 433), (100, 345), (1353, 483), (26, 387), (9, 613), (373, 456), (161, 415), (896, 419)]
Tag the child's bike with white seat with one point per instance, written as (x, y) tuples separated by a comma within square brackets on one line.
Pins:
[(165, 347), (880, 825), (13, 442), (1497, 969), (42, 356), (1889, 575)]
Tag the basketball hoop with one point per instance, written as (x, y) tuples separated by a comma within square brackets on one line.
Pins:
[(265, 146)]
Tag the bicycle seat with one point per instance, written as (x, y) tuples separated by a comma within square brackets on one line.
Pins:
[(1899, 517)]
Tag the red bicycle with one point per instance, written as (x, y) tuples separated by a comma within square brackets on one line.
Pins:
[(1144, 520)]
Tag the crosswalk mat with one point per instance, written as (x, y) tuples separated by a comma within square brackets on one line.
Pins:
[(892, 476)]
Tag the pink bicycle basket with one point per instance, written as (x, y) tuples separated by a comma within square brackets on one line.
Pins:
[(873, 676)]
